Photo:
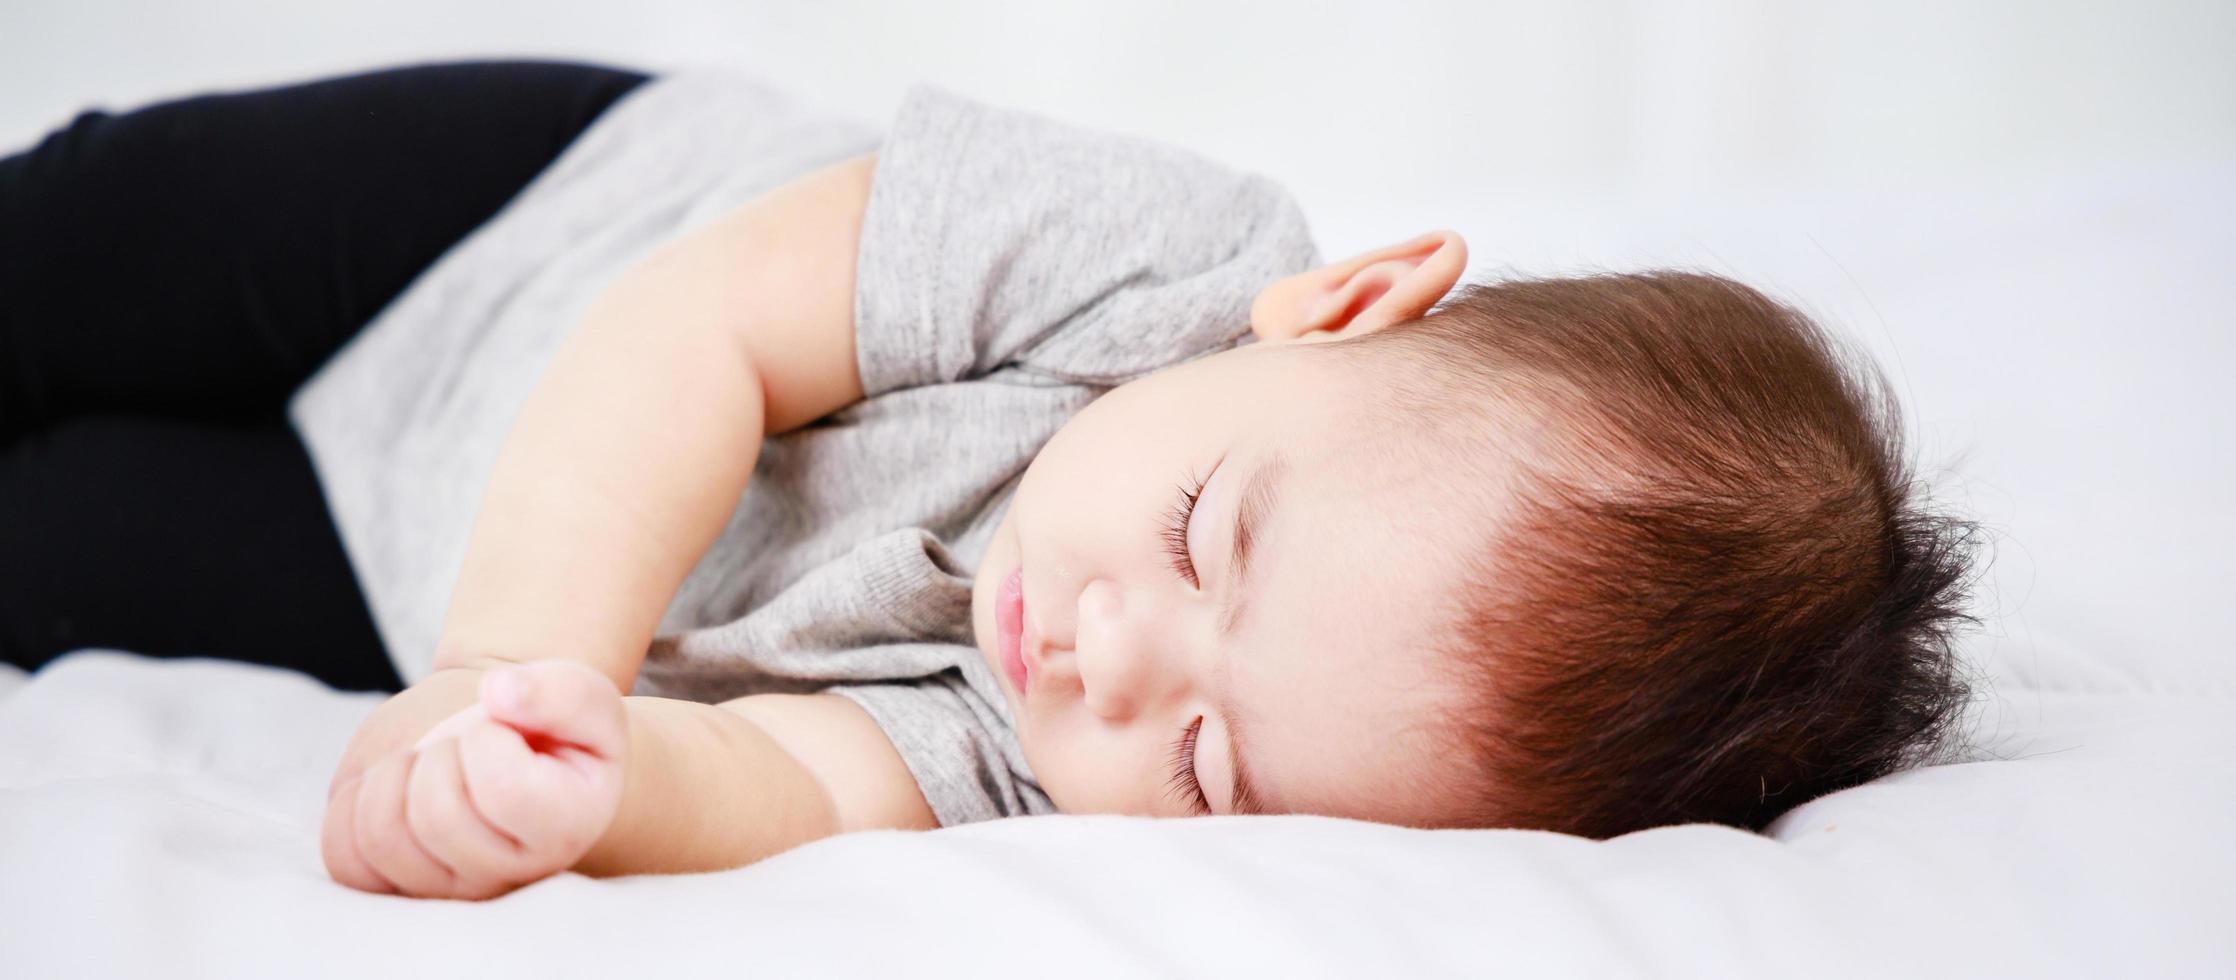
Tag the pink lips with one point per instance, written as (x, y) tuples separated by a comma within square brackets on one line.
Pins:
[(1009, 621)]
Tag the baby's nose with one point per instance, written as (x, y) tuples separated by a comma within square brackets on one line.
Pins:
[(1116, 647)]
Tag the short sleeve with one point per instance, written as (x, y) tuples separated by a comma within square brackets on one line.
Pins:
[(997, 237), (952, 742)]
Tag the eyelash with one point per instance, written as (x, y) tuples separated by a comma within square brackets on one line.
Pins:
[(1176, 530), (1182, 782)]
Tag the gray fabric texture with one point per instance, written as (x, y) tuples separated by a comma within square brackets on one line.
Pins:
[(1012, 269)]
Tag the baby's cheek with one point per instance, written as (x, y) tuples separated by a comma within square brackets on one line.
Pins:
[(1085, 772)]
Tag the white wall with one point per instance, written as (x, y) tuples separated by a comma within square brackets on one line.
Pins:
[(1626, 98)]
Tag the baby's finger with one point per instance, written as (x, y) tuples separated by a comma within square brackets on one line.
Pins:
[(337, 843), (514, 788), (561, 701), (453, 726), (442, 816), (384, 838)]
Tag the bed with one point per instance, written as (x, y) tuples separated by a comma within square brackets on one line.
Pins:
[(2061, 345)]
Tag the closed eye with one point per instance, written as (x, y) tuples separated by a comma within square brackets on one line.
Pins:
[(1181, 782), (1176, 530)]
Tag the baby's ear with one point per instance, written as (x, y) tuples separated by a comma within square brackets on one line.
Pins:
[(1361, 294)]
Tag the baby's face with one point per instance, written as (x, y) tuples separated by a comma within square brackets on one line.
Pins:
[(1134, 699)]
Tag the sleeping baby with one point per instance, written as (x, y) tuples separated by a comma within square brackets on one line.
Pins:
[(1006, 467)]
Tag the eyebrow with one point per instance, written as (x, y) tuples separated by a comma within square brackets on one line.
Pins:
[(1259, 494)]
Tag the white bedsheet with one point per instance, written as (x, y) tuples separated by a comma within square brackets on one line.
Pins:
[(160, 818)]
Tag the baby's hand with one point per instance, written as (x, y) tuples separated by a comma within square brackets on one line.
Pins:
[(506, 792)]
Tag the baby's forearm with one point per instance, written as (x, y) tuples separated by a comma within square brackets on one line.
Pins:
[(704, 788), (621, 470)]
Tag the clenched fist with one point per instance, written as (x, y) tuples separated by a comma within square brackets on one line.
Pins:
[(512, 789)]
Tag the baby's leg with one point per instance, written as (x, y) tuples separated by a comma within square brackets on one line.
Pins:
[(177, 538), (199, 258), (168, 277)]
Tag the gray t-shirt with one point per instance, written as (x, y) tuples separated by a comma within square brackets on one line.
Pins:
[(1012, 269)]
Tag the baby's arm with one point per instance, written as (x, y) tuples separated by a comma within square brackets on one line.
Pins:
[(719, 786), (630, 455), (552, 769)]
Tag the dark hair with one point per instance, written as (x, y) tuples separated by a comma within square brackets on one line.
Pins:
[(1716, 590)]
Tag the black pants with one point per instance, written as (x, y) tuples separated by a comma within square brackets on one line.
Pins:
[(168, 277)]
